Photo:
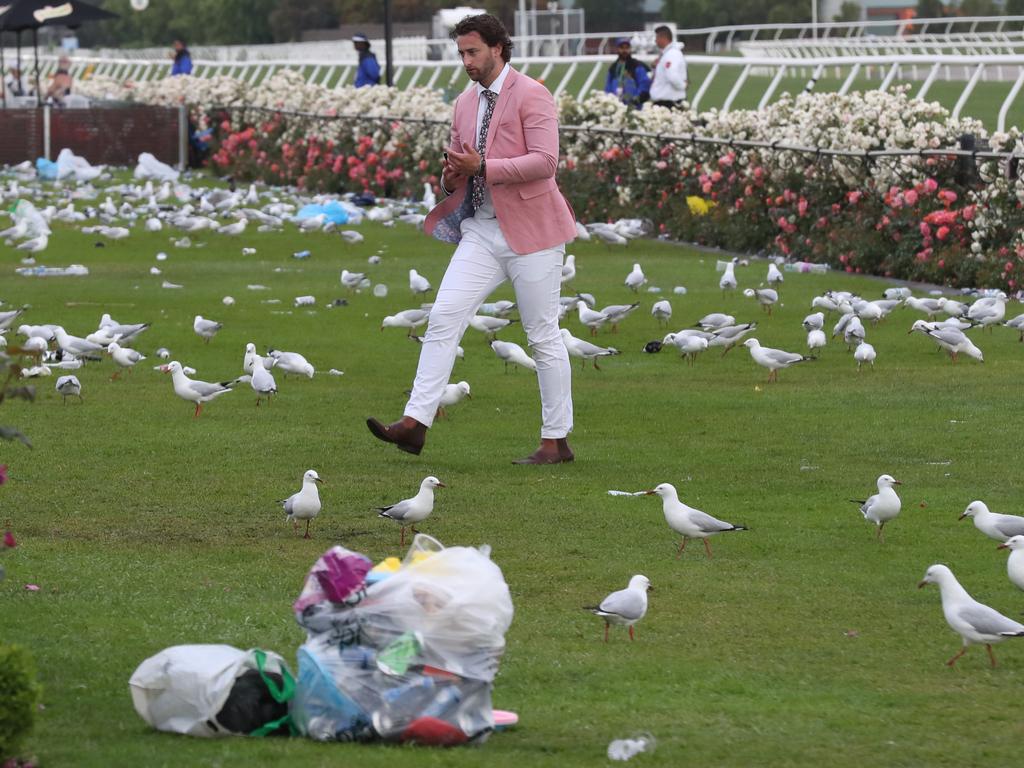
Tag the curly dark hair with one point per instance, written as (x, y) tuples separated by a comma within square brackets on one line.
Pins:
[(489, 28)]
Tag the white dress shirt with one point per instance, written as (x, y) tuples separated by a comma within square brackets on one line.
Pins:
[(669, 82), (486, 210)]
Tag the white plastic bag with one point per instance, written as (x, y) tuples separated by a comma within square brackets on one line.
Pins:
[(70, 165), (183, 688)]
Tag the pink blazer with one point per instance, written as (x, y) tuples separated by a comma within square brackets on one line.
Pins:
[(522, 156)]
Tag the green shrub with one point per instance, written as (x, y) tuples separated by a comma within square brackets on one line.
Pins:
[(19, 697)]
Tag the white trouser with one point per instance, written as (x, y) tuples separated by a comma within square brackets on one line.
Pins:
[(481, 263)]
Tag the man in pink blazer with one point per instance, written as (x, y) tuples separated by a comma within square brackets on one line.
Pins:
[(510, 221)]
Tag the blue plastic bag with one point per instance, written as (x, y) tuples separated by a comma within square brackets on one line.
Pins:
[(47, 169), (333, 210)]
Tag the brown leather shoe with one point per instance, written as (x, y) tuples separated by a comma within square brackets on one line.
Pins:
[(544, 455), (408, 439)]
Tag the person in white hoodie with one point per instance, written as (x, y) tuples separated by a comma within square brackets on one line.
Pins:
[(668, 88)]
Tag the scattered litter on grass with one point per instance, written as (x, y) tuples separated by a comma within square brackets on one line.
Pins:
[(679, 290), (31, 587), (228, 301), (625, 749), (271, 301), (627, 493), (257, 287), (169, 284), (336, 372), (73, 270), (302, 301), (944, 463)]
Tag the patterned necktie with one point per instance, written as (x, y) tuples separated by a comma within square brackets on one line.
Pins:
[(481, 146)]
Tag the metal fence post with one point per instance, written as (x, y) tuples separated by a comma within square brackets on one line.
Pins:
[(46, 131), (182, 137)]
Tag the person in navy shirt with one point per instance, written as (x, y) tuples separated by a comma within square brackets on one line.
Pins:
[(628, 78), (369, 70), (182, 59)]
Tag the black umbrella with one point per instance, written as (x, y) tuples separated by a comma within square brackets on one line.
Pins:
[(21, 15)]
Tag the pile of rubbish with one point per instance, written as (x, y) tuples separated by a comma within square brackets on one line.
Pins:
[(402, 652)]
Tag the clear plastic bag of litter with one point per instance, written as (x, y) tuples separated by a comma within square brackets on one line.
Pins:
[(410, 658)]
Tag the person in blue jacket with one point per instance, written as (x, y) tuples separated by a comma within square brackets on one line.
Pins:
[(628, 78), (369, 70), (182, 59)]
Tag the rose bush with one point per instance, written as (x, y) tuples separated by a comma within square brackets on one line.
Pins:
[(931, 218)]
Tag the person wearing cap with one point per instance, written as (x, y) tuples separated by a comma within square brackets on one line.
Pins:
[(668, 87), (628, 78), (369, 70)]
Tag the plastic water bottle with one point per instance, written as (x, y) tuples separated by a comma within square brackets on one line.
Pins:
[(805, 266), (446, 699), (380, 290), (302, 301), (301, 255)]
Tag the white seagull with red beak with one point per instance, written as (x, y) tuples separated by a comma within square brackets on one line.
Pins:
[(688, 522), (627, 606), (414, 510), (883, 506), (976, 623), (194, 391)]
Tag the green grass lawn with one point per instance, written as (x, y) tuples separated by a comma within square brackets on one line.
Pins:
[(804, 641)]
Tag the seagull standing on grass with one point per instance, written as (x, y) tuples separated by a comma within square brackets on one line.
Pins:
[(418, 284), (774, 275), (568, 269), (625, 607), (1015, 563), (773, 359), (865, 353), (883, 506), (585, 350), (635, 279), (206, 329), (262, 381), (728, 280), (992, 524), (414, 510), (304, 505), (69, 386), (452, 394), (510, 352), (124, 357), (590, 318), (688, 522), (662, 312), (197, 392), (407, 318), (975, 622)]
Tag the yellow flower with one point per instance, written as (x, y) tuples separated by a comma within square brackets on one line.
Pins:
[(699, 206)]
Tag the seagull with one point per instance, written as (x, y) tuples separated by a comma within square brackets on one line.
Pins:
[(635, 279), (197, 392), (952, 307), (774, 275), (766, 297), (728, 281), (501, 308), (510, 352), (352, 280), (414, 510), (954, 341), (690, 523), (865, 353), (814, 322), (974, 622), (689, 344), (234, 229), (992, 524), (568, 269), (662, 312), (816, 339), (69, 386), (291, 362), (590, 318), (930, 307), (452, 394), (616, 313), (986, 312), (75, 345), (7, 318), (626, 606), (585, 350), (304, 505), (126, 331), (418, 284), (488, 325), (35, 245), (123, 356), (206, 329), (728, 336), (1017, 323), (715, 320), (883, 506), (262, 381), (773, 359), (249, 359), (1015, 563), (407, 318)]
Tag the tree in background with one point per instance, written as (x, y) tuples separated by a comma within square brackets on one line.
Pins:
[(1014, 8), (290, 17), (612, 15), (196, 21), (979, 8), (850, 11), (717, 13), (930, 9), (358, 11)]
